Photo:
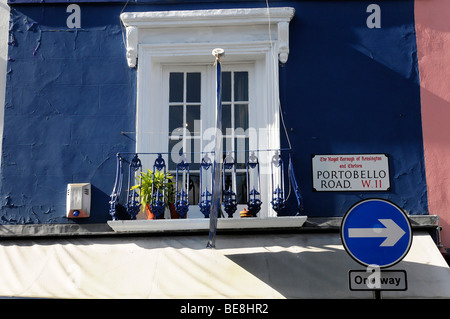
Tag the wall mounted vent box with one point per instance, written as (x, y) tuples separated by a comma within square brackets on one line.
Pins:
[(78, 203)]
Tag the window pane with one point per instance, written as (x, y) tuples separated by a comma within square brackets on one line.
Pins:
[(174, 153), (193, 93), (228, 181), (241, 188), (192, 115), (226, 86), (227, 145), (241, 86), (194, 185), (176, 87), (241, 146), (195, 157), (226, 118), (241, 116), (175, 119)]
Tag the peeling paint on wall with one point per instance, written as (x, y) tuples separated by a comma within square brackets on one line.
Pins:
[(69, 95)]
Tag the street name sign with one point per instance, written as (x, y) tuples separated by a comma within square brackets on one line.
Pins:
[(350, 173), (376, 232)]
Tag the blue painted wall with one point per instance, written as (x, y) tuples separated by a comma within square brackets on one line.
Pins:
[(70, 94), (350, 89)]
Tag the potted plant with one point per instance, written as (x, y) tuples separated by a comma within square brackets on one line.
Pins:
[(161, 182)]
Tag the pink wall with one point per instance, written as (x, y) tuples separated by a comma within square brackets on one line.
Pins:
[(433, 46)]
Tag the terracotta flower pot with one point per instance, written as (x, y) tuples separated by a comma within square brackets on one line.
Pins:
[(148, 212), (173, 212), (245, 213)]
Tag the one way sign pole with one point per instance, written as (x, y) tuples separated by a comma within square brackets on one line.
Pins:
[(392, 232), (377, 234)]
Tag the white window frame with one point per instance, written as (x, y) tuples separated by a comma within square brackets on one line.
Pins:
[(207, 113), (259, 36)]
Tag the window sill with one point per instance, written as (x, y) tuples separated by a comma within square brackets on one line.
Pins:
[(202, 224)]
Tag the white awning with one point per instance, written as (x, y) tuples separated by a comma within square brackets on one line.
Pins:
[(257, 265)]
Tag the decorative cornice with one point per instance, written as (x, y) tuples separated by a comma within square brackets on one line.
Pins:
[(134, 21), (207, 17)]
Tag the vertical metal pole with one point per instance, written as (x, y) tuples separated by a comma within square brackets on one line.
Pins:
[(205, 186), (216, 175)]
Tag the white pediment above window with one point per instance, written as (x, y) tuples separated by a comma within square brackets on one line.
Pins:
[(233, 27)]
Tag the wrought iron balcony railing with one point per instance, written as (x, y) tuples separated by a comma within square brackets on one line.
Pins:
[(160, 186)]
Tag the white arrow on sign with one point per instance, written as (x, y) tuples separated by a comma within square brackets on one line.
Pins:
[(392, 232)]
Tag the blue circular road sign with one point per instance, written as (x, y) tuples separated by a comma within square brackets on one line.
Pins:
[(376, 232)]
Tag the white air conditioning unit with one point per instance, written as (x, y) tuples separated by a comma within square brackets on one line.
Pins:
[(78, 203)]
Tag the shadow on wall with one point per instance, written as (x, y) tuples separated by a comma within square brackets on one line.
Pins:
[(99, 203)]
